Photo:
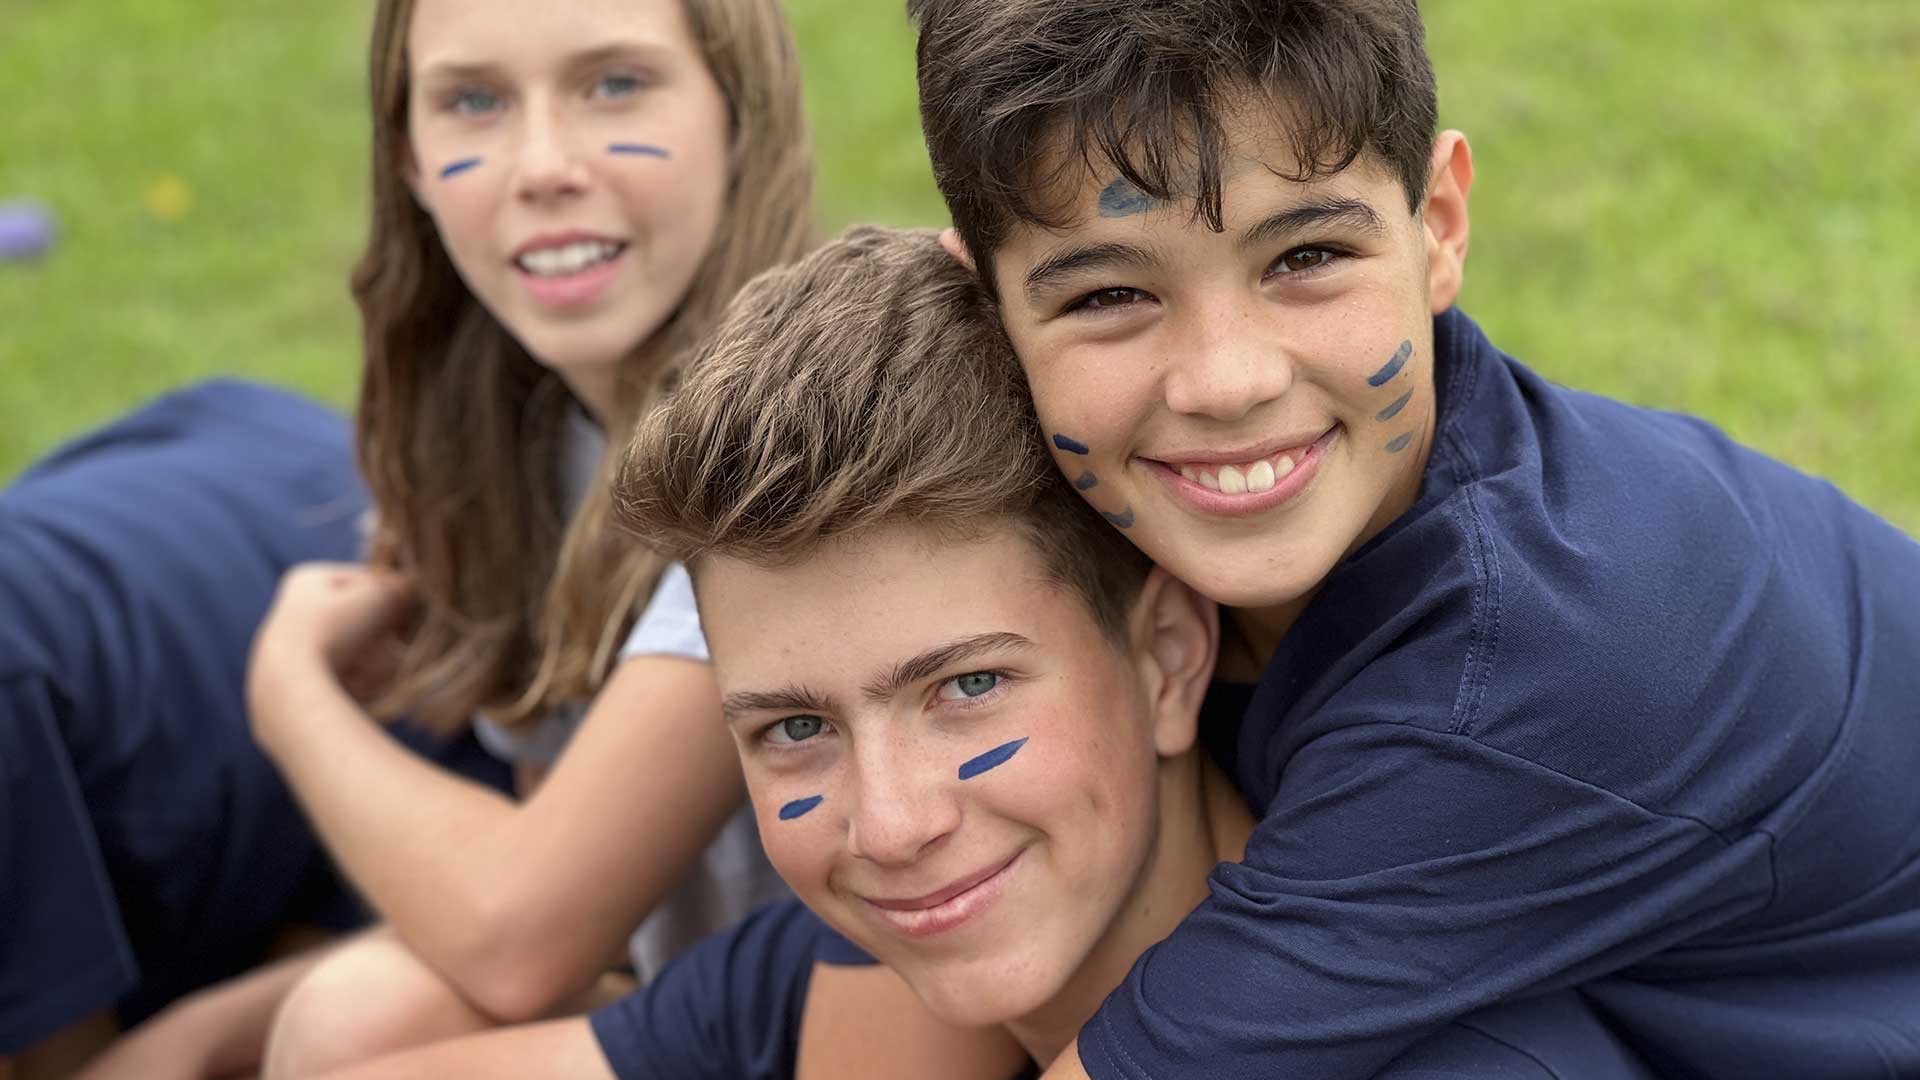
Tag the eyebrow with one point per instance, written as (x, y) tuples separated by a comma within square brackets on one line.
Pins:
[(650, 52), (789, 699), (1077, 260), (939, 658), (1319, 213), (799, 699)]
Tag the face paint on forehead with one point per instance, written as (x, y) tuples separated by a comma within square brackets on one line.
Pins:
[(639, 150), (992, 759), (1121, 199), (454, 169), (800, 807)]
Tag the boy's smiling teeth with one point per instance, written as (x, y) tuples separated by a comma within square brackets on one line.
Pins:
[(1250, 479), (568, 258)]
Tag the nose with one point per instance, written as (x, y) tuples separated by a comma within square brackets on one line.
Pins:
[(549, 164), (1225, 365), (902, 808)]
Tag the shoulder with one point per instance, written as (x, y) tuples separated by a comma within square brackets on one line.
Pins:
[(669, 625), (1619, 594), (729, 1006)]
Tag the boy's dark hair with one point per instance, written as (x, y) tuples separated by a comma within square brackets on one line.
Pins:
[(1006, 85), (868, 384)]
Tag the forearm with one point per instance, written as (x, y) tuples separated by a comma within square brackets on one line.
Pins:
[(219, 1031), (1067, 1066)]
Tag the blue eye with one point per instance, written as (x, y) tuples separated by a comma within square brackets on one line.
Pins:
[(973, 684), (618, 86), (795, 729), (472, 102)]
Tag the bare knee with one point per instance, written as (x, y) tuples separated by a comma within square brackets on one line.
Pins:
[(370, 998)]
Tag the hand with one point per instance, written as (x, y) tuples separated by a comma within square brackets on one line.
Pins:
[(337, 622)]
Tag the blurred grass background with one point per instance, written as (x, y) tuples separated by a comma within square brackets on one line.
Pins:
[(1704, 205)]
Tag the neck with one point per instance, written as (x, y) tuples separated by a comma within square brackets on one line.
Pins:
[(1203, 821), (596, 388)]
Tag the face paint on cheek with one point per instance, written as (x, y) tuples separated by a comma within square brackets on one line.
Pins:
[(1071, 446), (1400, 443), (800, 807), (1400, 358), (1121, 199), (1393, 410), (638, 150), (1087, 482), (1122, 520), (461, 166), (992, 759)]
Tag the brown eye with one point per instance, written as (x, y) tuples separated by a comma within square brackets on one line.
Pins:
[(1302, 259), (1112, 298)]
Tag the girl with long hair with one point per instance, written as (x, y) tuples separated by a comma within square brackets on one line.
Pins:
[(564, 196)]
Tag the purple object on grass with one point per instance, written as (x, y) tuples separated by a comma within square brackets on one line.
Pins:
[(26, 230)]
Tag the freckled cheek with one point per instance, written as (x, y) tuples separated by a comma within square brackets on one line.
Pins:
[(800, 849)]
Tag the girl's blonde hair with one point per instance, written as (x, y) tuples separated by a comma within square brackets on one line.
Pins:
[(460, 429)]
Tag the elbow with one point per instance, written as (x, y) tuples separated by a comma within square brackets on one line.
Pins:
[(516, 994), (514, 975)]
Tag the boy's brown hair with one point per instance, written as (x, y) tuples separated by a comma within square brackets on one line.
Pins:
[(868, 384), (1015, 92)]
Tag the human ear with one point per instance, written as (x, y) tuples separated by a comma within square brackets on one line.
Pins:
[(1444, 218), (1176, 639), (956, 247)]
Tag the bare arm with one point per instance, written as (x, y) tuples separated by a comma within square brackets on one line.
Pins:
[(1067, 1066), (218, 1031), (866, 1021), (555, 1050), (518, 905)]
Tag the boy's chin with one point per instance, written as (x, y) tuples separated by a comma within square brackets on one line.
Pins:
[(979, 995)]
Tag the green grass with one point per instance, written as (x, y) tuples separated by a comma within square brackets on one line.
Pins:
[(1704, 205)]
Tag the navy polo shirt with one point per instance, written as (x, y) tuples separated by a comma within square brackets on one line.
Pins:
[(146, 846), (1618, 704)]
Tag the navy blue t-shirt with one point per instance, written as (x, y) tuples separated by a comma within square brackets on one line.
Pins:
[(146, 845), (729, 1008), (1618, 705)]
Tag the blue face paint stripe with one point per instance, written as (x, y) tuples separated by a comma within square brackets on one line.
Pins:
[(1393, 410), (798, 807), (1070, 446), (1121, 199), (1122, 520), (642, 149), (1087, 482), (992, 759), (459, 167), (1394, 365), (1400, 443)]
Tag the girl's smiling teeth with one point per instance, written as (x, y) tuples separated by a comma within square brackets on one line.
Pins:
[(564, 259), (1250, 478)]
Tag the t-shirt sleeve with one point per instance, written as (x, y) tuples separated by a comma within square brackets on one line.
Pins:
[(1403, 877), (727, 1008), (670, 624), (63, 950)]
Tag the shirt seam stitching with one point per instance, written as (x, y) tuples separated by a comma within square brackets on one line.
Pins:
[(1673, 815), (1522, 1051)]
